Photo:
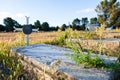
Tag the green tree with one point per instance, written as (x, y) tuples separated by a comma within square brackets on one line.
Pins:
[(33, 27), (107, 11), (9, 24), (2, 27), (45, 26), (94, 20), (115, 18), (16, 24), (38, 25), (53, 28), (76, 21), (76, 24), (85, 21), (63, 27)]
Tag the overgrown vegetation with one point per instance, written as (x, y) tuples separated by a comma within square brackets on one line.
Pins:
[(80, 57), (11, 68), (88, 59)]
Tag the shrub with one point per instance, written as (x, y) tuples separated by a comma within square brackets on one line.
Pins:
[(61, 40), (80, 57)]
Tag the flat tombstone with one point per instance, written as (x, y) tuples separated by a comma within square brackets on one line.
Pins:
[(27, 29)]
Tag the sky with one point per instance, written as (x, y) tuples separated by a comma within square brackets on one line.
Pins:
[(55, 12)]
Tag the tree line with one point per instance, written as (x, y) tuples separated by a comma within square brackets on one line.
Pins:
[(77, 24), (108, 12)]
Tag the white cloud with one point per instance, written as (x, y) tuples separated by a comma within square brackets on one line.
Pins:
[(12, 15), (85, 10)]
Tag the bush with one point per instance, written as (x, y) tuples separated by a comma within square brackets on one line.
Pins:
[(80, 57), (61, 40)]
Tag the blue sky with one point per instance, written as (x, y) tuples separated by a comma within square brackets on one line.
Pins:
[(55, 12)]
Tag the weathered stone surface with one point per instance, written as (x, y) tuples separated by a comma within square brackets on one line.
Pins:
[(42, 63), (52, 61)]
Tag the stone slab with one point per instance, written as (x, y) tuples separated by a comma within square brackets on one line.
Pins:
[(51, 55)]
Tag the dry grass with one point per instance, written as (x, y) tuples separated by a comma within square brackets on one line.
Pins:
[(18, 38), (43, 37), (48, 37), (35, 37)]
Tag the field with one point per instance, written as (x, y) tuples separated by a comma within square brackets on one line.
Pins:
[(59, 38), (9, 40), (49, 36), (33, 38)]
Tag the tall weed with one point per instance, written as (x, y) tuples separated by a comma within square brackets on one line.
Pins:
[(80, 57), (10, 66)]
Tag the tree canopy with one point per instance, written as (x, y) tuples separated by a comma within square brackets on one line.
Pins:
[(76, 21), (45, 26), (63, 27), (94, 20), (2, 28), (37, 24), (108, 13), (9, 24)]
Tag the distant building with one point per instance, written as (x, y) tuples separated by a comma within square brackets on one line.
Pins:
[(92, 27), (110, 28)]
